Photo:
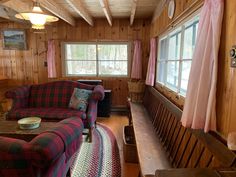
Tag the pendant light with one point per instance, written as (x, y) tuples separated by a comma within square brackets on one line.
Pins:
[(37, 17)]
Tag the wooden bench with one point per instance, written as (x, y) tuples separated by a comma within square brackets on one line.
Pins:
[(163, 143)]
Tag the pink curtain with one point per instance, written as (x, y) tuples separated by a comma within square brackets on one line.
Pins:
[(200, 102), (136, 72), (51, 59), (151, 63)]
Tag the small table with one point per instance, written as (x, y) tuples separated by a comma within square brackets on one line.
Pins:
[(104, 106), (11, 129)]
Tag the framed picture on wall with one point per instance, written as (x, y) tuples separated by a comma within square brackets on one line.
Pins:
[(14, 39)]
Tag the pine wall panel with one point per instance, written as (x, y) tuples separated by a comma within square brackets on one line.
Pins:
[(28, 67)]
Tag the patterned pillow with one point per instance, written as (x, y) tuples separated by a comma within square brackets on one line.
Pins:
[(79, 99)]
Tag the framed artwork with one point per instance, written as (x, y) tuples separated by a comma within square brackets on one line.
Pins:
[(14, 39)]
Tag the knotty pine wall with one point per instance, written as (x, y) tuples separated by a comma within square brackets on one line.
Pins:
[(226, 86), (28, 67)]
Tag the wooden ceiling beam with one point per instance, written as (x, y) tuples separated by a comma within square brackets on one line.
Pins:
[(3, 1), (77, 5), (133, 10), (9, 14), (159, 9), (57, 10), (106, 10), (21, 6)]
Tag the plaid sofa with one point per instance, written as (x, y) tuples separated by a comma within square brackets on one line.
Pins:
[(50, 101), (48, 154)]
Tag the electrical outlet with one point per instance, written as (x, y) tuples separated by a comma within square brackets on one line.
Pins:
[(233, 56), (233, 62)]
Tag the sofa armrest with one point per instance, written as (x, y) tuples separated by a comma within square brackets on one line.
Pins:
[(65, 137), (98, 93), (91, 113), (15, 156), (19, 96), (46, 148)]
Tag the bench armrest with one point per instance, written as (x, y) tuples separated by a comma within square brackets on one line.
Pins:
[(19, 96)]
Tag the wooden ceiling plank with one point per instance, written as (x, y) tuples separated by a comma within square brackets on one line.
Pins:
[(133, 10), (106, 10), (79, 8), (57, 10)]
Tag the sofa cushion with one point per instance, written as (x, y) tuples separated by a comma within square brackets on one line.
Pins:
[(46, 113), (53, 94), (79, 99)]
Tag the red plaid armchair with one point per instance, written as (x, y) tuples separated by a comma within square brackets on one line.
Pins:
[(48, 154), (50, 101)]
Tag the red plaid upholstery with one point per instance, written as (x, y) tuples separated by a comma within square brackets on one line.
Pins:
[(51, 101), (69, 130), (54, 94), (91, 114), (49, 154), (53, 114), (15, 158), (20, 97)]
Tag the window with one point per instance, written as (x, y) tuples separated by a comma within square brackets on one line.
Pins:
[(96, 59), (175, 56)]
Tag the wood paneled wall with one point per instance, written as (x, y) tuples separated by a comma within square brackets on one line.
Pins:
[(26, 67), (226, 86), (183, 9)]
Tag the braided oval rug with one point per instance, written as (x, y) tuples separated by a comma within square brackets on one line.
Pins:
[(100, 158)]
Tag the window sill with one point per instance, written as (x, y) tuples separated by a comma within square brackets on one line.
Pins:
[(177, 99)]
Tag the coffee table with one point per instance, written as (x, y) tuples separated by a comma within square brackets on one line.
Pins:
[(11, 129)]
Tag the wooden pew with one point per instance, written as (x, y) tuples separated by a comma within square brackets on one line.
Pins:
[(163, 143)]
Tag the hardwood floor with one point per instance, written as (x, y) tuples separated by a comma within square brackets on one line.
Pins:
[(116, 122)]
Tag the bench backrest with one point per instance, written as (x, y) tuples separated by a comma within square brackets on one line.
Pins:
[(185, 147)]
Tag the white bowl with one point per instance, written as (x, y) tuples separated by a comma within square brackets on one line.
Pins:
[(29, 122)]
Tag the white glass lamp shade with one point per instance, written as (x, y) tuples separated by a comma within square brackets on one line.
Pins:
[(37, 17)]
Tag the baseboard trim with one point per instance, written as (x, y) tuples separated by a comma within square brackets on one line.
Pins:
[(119, 109)]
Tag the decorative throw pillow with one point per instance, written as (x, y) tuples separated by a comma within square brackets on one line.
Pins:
[(79, 99)]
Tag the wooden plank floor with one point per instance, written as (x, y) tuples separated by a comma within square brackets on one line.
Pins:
[(116, 122)]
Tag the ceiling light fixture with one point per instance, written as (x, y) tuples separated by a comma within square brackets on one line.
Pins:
[(37, 17)]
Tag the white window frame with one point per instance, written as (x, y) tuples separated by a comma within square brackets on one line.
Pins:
[(64, 60), (178, 28)]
